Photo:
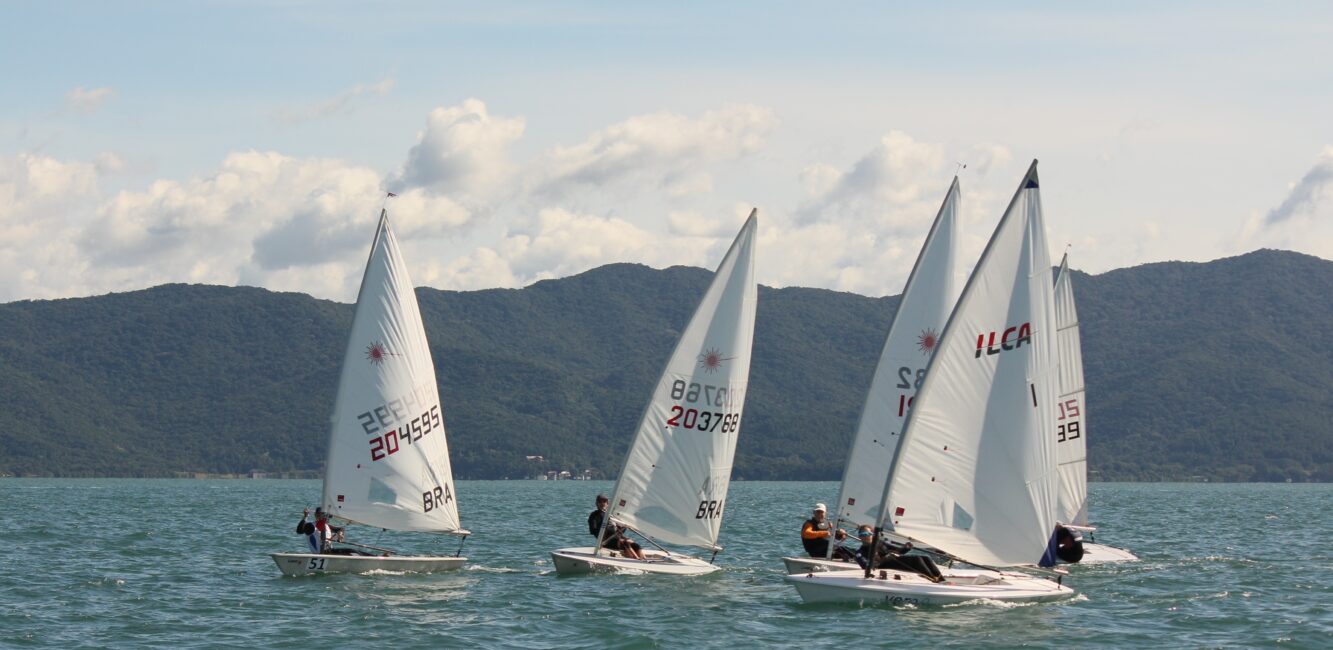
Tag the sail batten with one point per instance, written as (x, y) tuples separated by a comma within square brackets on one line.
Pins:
[(975, 473), (388, 463), (673, 486)]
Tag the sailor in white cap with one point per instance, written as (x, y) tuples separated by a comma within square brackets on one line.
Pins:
[(815, 534)]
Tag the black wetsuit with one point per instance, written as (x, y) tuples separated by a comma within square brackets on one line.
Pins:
[(609, 538), (895, 558)]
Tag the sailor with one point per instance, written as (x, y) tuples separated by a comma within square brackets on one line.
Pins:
[(307, 529), (815, 534), (895, 557), (614, 535), (1068, 545), (328, 533)]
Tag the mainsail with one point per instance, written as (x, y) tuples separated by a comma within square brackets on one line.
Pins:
[(928, 296), (975, 472), (388, 463), (674, 484), (1071, 417)]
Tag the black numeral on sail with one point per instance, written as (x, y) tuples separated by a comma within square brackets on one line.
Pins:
[(905, 377), (696, 393), (703, 420)]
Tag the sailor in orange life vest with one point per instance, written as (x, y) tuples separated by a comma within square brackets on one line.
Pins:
[(815, 534)]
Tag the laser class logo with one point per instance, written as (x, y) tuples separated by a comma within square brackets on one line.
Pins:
[(926, 342), (711, 360), (1011, 339), (377, 353)]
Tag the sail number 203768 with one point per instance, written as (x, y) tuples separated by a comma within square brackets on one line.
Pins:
[(694, 394)]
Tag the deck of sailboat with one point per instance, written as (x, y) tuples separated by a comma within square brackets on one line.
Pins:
[(584, 560), (902, 588), (1103, 554), (300, 564)]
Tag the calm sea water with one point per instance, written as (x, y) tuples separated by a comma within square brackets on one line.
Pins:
[(161, 563)]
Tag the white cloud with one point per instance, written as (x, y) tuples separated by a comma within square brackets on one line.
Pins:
[(42, 201), (886, 187), (264, 219), (661, 150), (560, 243), (344, 103), (83, 101), (693, 224), (462, 153)]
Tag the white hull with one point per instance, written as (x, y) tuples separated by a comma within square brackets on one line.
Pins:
[(300, 564), (817, 565), (1102, 554), (899, 588), (581, 560)]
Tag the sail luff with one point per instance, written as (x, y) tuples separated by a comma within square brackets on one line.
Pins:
[(927, 299)]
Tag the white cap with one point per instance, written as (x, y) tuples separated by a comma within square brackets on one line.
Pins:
[(820, 506)]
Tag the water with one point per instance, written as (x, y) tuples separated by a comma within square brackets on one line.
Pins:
[(160, 563)]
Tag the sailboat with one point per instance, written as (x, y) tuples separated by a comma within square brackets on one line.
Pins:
[(388, 462), (927, 299), (673, 487), (1071, 434), (974, 477)]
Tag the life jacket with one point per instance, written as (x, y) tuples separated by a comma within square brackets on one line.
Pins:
[(819, 545)]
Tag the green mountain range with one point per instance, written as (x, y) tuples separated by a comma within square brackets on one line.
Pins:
[(1215, 371)]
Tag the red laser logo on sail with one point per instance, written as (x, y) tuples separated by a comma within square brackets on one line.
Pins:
[(712, 359), (377, 353), (926, 342)]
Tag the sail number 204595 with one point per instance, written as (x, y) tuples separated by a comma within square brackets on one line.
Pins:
[(408, 433)]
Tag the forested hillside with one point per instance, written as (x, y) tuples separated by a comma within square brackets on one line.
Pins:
[(1209, 371)]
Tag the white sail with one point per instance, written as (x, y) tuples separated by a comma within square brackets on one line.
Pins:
[(928, 296), (975, 472), (674, 483), (388, 463), (1071, 444)]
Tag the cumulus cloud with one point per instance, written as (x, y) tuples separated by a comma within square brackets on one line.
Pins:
[(560, 242), (464, 152), (1305, 197), (263, 218), (344, 103), (84, 101), (662, 150), (42, 203), (898, 173)]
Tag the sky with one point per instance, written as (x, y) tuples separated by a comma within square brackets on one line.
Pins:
[(252, 143)]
